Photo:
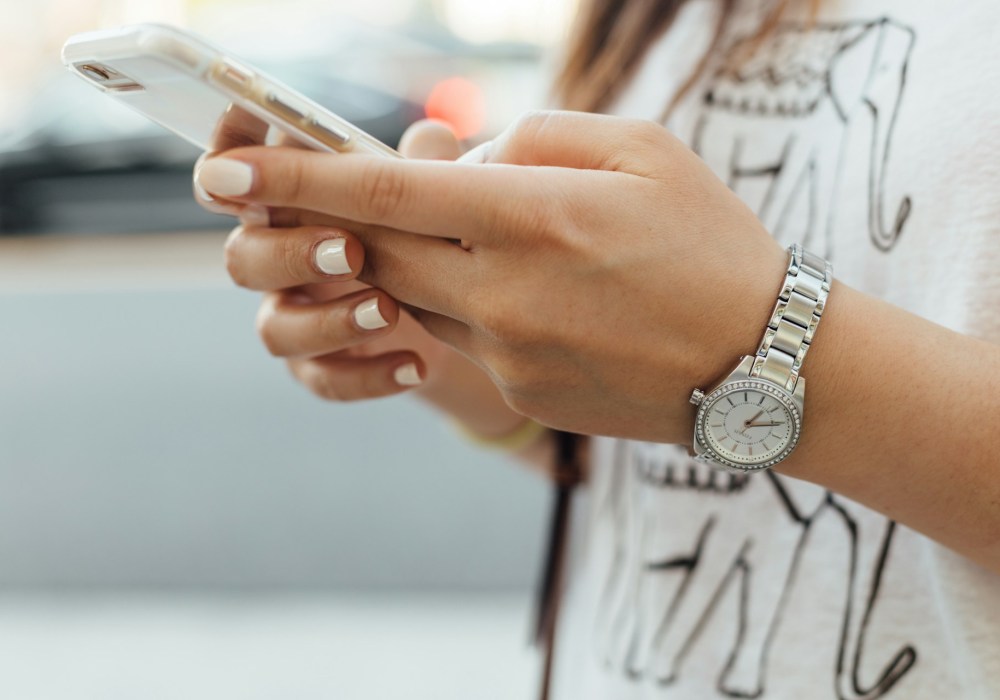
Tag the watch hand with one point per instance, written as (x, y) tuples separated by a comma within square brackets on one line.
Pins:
[(746, 423), (763, 425)]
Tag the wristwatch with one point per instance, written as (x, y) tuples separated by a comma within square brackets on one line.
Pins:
[(752, 419)]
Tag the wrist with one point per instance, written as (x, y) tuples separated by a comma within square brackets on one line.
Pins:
[(752, 418)]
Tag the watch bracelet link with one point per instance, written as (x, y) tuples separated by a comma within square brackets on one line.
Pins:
[(794, 320)]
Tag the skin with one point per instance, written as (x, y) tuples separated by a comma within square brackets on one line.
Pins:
[(305, 315), (605, 272)]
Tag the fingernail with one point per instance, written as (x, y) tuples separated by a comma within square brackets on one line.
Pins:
[(255, 215), (368, 316), (331, 257), (407, 375), (201, 191), (225, 176)]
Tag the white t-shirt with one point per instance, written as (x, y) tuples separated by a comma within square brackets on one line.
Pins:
[(873, 138)]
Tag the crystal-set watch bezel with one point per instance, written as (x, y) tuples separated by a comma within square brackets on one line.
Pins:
[(709, 401)]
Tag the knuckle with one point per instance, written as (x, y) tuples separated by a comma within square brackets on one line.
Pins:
[(326, 386), (267, 332), (529, 125), (382, 191), (232, 257), (524, 133), (369, 385), (292, 182), (644, 135), (332, 325), (291, 259)]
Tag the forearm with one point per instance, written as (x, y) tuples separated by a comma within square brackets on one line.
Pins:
[(903, 415), (470, 397)]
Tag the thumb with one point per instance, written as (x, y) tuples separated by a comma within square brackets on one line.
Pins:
[(429, 140)]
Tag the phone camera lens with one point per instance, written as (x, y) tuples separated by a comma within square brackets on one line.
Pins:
[(95, 72)]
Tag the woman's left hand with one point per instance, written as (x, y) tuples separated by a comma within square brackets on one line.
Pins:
[(597, 286)]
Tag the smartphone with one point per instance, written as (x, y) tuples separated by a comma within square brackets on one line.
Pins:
[(204, 95)]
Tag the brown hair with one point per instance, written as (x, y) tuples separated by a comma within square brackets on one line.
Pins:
[(611, 37)]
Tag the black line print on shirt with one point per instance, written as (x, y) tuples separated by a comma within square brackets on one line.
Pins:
[(811, 84), (660, 593)]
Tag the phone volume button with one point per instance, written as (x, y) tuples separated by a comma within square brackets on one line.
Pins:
[(232, 75), (284, 108), (330, 132)]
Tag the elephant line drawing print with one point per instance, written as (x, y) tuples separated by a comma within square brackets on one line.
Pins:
[(667, 576), (811, 84)]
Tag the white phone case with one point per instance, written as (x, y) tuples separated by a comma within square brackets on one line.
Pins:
[(200, 93)]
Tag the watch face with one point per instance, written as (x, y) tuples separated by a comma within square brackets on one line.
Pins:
[(748, 424)]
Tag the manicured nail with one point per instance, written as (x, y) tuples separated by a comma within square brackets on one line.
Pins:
[(407, 375), (201, 191), (331, 257), (225, 176), (255, 215), (367, 315)]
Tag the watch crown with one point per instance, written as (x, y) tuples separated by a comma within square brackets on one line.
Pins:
[(697, 396)]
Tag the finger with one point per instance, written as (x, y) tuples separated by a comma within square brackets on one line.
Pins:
[(248, 214), (270, 258), (207, 201), (430, 140), (237, 128), (342, 378), (289, 327), (290, 217), (450, 200), (578, 140), (428, 272)]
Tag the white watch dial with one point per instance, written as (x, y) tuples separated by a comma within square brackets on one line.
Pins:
[(749, 423)]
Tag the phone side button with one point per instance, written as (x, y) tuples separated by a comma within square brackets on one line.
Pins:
[(232, 75), (283, 108), (333, 135)]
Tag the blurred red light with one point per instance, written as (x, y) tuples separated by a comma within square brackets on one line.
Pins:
[(459, 103)]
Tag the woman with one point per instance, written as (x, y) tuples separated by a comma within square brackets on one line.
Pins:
[(607, 270)]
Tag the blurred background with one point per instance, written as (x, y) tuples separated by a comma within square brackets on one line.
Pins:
[(178, 518)]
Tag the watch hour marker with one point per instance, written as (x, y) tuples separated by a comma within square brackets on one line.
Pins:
[(730, 402), (745, 399), (761, 402), (716, 425), (750, 447), (766, 447)]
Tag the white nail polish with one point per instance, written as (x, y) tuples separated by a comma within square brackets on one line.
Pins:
[(255, 215), (331, 257), (368, 316), (407, 375), (200, 191), (225, 176)]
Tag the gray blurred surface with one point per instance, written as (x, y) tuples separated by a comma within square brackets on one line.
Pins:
[(417, 647), (146, 439)]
